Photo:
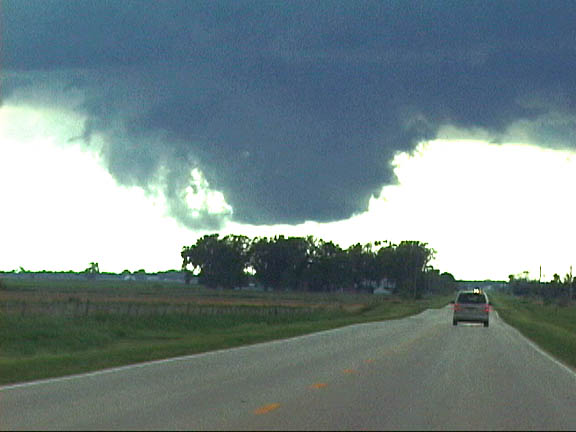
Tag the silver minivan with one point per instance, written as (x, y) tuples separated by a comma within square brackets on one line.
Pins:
[(471, 306)]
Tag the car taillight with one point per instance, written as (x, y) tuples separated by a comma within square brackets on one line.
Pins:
[(457, 307), (487, 308)]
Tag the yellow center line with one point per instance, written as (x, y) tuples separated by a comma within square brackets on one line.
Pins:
[(318, 385), (349, 371), (266, 408), (369, 361)]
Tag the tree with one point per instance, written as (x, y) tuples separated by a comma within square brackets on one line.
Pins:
[(219, 262), (449, 283), (558, 289), (306, 263), (282, 262), (439, 283), (411, 259), (327, 268), (92, 271), (363, 266)]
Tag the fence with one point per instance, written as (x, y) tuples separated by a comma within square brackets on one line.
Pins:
[(77, 307)]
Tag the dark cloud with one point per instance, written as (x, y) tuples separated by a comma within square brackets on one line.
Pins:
[(293, 109)]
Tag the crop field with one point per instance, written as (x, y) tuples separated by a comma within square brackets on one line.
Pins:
[(25, 297), (58, 327), (89, 298)]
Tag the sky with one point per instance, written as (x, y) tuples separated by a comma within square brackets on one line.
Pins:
[(130, 128)]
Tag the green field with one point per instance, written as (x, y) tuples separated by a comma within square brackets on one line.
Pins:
[(551, 326), (55, 328)]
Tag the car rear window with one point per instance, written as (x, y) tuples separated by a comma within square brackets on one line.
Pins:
[(471, 298)]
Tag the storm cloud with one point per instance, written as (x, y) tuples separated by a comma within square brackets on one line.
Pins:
[(293, 110)]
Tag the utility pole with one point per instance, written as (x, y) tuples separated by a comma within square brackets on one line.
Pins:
[(540, 276), (571, 284)]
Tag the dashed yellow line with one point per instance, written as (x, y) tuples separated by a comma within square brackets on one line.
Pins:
[(349, 371), (318, 385), (266, 408), (369, 360)]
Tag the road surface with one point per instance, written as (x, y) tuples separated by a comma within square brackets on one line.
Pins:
[(415, 373)]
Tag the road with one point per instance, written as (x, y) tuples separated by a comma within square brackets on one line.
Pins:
[(415, 373)]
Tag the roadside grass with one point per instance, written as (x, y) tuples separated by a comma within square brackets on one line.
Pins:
[(552, 327), (36, 346)]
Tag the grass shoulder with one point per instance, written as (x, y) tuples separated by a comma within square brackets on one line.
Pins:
[(550, 326)]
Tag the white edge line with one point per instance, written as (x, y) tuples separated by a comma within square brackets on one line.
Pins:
[(533, 344)]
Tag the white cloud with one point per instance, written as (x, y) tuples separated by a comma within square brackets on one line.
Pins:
[(489, 210), (62, 209), (201, 198)]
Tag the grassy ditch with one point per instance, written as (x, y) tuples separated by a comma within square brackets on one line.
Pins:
[(552, 327), (40, 340)]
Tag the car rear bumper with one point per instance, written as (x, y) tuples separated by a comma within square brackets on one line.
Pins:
[(472, 317)]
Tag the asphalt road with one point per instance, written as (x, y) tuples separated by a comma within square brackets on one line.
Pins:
[(414, 373)]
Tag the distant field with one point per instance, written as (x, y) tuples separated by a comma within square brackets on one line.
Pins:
[(45, 290), (53, 328), (552, 327)]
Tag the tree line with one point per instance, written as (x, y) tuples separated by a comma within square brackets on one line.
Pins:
[(559, 290), (311, 264)]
